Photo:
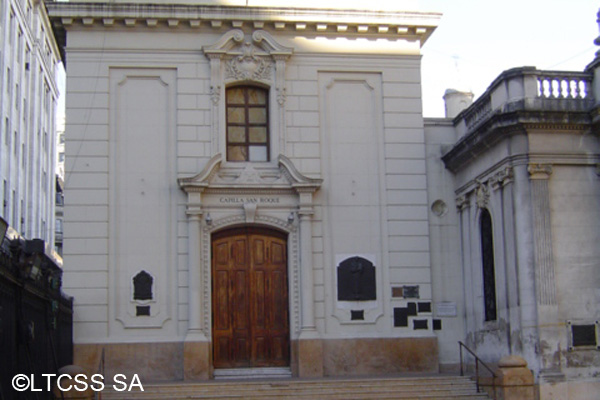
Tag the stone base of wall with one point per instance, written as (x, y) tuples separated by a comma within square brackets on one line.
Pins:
[(573, 390), (344, 357), (151, 361), (154, 362)]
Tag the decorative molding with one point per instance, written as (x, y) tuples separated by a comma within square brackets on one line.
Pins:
[(286, 176), (248, 66), (539, 171), (482, 194), (341, 22), (502, 178), (462, 202), (250, 212), (293, 264), (247, 57)]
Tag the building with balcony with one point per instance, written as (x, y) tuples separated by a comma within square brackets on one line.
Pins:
[(255, 188), (28, 96), (513, 182)]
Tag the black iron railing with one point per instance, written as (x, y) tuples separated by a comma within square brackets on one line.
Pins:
[(478, 361), (36, 318)]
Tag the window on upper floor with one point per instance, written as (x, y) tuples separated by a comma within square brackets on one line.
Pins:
[(487, 261), (247, 114)]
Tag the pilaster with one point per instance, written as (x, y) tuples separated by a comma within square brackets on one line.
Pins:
[(549, 330)]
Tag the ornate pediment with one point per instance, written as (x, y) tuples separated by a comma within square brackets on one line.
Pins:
[(247, 57), (215, 176)]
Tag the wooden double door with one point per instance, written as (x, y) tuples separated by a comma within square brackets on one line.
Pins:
[(250, 299)]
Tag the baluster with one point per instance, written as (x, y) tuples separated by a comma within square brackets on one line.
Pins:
[(584, 88), (563, 85), (547, 88)]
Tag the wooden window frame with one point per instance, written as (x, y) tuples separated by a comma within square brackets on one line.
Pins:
[(247, 124)]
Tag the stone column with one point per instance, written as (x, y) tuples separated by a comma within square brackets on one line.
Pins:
[(196, 354), (523, 239), (542, 233), (310, 347), (505, 181), (307, 276), (464, 211), (195, 310), (547, 305)]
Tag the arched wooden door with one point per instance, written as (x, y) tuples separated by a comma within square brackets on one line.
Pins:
[(250, 299)]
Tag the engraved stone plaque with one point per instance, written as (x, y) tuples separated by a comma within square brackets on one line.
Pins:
[(445, 309), (411, 292)]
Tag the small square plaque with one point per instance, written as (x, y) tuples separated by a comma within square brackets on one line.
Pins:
[(424, 307), (420, 324), (357, 315), (142, 311), (411, 292)]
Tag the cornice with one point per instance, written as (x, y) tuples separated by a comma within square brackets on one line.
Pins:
[(499, 125), (406, 24)]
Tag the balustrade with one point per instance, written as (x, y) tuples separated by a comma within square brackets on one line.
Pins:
[(556, 85), (528, 83)]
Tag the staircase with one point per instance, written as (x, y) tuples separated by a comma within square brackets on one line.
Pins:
[(430, 387)]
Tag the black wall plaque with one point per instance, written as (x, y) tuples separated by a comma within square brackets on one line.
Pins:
[(356, 280), (143, 311), (357, 315), (424, 307), (412, 309), (437, 324), (400, 317), (419, 324), (584, 335), (142, 286)]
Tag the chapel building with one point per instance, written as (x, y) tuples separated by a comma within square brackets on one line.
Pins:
[(252, 188)]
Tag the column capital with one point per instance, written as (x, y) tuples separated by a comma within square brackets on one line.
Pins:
[(502, 178), (462, 202), (539, 171)]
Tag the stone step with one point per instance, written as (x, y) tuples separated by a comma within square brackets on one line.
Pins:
[(258, 384), (432, 387)]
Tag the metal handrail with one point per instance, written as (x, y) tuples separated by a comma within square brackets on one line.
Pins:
[(477, 362)]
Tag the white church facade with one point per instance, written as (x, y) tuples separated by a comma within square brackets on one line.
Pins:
[(256, 187)]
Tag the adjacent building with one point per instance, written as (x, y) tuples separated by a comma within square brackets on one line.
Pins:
[(28, 97), (253, 189)]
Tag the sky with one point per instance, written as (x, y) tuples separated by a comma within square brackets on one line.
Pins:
[(478, 39)]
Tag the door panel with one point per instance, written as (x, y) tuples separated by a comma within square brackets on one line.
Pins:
[(250, 299)]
